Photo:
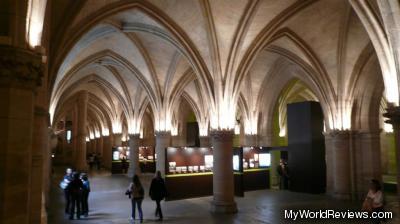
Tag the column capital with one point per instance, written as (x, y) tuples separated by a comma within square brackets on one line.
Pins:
[(393, 115), (20, 68), (163, 134), (222, 135), (338, 133), (134, 137)]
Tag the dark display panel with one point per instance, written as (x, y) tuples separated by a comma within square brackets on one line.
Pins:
[(306, 147)]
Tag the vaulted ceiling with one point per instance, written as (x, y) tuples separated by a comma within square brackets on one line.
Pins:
[(132, 55)]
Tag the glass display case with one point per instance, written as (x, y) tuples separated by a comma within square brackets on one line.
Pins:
[(189, 160)]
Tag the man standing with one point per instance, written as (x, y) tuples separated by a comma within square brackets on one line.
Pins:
[(75, 190), (283, 172)]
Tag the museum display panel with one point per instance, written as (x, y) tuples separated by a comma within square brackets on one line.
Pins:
[(118, 154), (188, 172), (255, 170), (147, 159)]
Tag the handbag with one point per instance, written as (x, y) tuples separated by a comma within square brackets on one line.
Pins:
[(129, 193)]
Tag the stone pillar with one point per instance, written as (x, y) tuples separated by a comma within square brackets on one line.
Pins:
[(339, 163), (40, 143), (117, 139), (134, 143), (99, 145), (88, 147), (223, 185), (20, 73), (250, 140), (329, 164), (93, 142), (393, 113), (81, 135), (367, 162), (205, 141), (107, 152), (163, 140)]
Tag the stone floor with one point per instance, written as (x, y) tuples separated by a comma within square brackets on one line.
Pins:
[(109, 205)]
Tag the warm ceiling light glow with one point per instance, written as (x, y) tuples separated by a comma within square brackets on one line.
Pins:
[(87, 139), (282, 132), (237, 129), (105, 132), (388, 128), (116, 127), (250, 126), (97, 134), (34, 21), (91, 135), (133, 126), (174, 130), (224, 117), (203, 129)]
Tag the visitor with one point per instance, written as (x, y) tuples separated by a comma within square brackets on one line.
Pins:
[(98, 161), (64, 183), (124, 165), (157, 193), (91, 161), (75, 189), (85, 194), (374, 200), (283, 172), (136, 193)]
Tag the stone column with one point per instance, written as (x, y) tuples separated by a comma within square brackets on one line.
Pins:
[(117, 139), (367, 162), (393, 113), (40, 143), (20, 73), (163, 140), (99, 145), (81, 163), (205, 141), (329, 163), (89, 146), (93, 142), (223, 185), (250, 140), (134, 143), (107, 152), (339, 163)]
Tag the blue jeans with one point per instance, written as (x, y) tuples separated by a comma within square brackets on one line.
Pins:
[(138, 202)]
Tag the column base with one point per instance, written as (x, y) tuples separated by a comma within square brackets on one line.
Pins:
[(223, 208)]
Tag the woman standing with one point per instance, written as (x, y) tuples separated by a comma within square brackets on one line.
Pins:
[(137, 192), (158, 192)]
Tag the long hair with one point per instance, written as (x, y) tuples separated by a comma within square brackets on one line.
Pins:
[(377, 184), (136, 181)]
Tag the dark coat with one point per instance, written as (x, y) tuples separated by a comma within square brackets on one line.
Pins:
[(158, 190)]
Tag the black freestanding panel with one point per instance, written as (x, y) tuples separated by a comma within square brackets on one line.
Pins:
[(306, 147)]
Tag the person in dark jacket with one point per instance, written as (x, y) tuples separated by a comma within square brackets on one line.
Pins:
[(283, 172), (85, 194), (137, 194), (75, 188), (158, 192)]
